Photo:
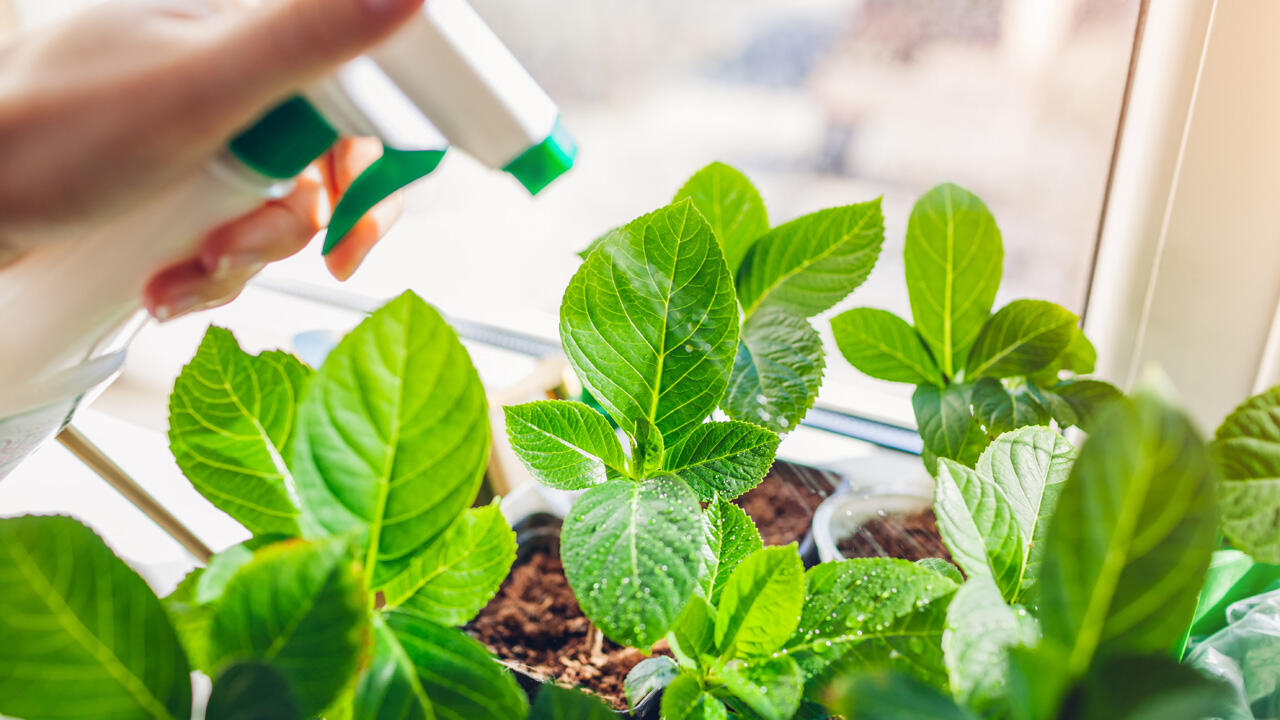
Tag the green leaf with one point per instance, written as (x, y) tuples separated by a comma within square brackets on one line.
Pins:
[(882, 345), (1037, 682), (649, 676), (811, 263), (1129, 544), (393, 435), (760, 606), (566, 445), (723, 458), (777, 372), (943, 568), (649, 450), (460, 572), (632, 552), (772, 687), (1088, 400), (557, 703), (586, 252), (944, 418), (1029, 467), (1246, 450), (231, 427), (980, 630), (978, 526), (650, 324), (873, 612), (425, 671), (693, 638), (731, 537), (1152, 688), (81, 630), (252, 691), (1232, 576), (212, 581), (1020, 339), (953, 256), (299, 607), (887, 694), (1001, 409), (731, 204), (1079, 358), (684, 699)]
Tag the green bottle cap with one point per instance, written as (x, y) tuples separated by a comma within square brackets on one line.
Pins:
[(394, 170), (538, 166), (286, 140)]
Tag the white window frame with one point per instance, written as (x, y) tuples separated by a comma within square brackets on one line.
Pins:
[(1187, 275)]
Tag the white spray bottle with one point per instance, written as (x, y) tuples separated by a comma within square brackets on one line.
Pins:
[(80, 301)]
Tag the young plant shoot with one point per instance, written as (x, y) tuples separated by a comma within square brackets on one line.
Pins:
[(376, 458), (650, 323), (1083, 574), (977, 374)]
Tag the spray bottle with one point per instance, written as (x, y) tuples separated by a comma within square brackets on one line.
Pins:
[(81, 301)]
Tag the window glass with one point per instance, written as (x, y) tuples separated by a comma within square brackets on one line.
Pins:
[(821, 103)]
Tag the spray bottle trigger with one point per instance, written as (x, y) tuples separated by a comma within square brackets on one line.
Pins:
[(396, 169)]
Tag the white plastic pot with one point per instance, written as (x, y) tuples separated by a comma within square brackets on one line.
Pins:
[(876, 486)]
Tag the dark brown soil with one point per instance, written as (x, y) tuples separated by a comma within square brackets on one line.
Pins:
[(783, 504), (535, 621), (910, 537)]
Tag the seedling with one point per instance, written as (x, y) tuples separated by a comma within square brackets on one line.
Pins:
[(377, 456), (977, 374)]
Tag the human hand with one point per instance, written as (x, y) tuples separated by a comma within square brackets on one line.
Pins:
[(101, 112)]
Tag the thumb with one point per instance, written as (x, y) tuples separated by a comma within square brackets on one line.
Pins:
[(282, 45)]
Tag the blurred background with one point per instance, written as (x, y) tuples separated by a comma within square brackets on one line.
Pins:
[(820, 102)]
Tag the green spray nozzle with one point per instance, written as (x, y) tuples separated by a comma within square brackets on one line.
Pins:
[(393, 171)]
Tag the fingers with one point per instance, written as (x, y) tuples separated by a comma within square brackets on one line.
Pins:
[(273, 232), (350, 158), (234, 252), (285, 44)]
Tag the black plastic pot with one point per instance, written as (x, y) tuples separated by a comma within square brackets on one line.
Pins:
[(540, 532)]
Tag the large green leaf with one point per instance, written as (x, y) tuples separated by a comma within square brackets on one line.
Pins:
[(252, 691), (693, 638), (980, 630), (1020, 339), (685, 699), (1079, 358), (557, 703), (882, 345), (650, 324), (881, 694), (731, 538), (1001, 409), (1246, 450), (978, 526), (231, 426), (811, 263), (1028, 467), (1088, 399), (393, 435), (632, 552), (566, 445), (83, 635), (425, 671), (953, 259), (1153, 688), (460, 572), (731, 204), (723, 458), (1129, 544), (943, 417), (777, 372), (771, 687), (760, 606), (299, 607), (873, 612)]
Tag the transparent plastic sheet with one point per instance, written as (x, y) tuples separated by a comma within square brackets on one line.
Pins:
[(1246, 653)]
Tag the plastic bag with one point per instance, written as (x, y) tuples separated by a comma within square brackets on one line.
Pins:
[(1246, 654)]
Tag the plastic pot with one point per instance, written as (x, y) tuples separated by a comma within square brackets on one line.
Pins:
[(875, 487)]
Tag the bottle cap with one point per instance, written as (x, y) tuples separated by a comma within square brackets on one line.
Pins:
[(285, 141), (541, 164)]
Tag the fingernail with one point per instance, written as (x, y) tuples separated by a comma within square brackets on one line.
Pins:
[(172, 309), (236, 264)]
